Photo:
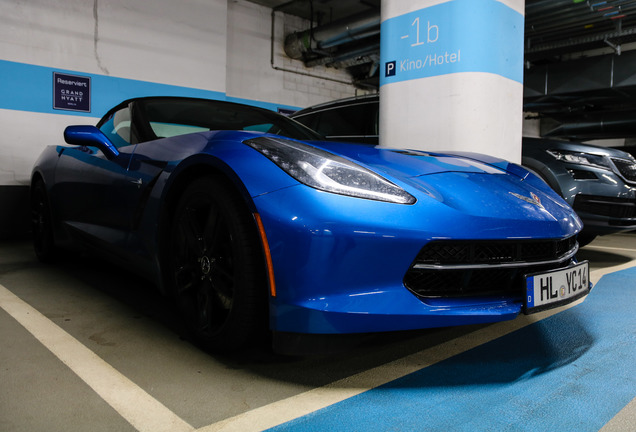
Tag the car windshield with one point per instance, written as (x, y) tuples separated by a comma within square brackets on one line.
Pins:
[(175, 116)]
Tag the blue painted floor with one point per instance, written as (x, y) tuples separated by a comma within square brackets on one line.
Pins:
[(573, 371)]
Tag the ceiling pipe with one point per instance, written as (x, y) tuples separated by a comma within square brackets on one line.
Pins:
[(344, 59), (332, 35), (291, 70)]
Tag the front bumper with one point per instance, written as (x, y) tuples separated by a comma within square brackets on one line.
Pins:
[(340, 262), (605, 212)]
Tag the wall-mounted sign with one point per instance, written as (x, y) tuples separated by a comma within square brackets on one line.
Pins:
[(71, 92)]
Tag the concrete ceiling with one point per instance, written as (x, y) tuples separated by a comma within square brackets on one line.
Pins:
[(580, 67), (322, 11)]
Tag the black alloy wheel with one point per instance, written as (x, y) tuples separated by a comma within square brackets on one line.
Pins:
[(216, 267), (41, 223)]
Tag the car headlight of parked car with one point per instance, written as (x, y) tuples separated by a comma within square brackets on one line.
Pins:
[(578, 158), (328, 172)]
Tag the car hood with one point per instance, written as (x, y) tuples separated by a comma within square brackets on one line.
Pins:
[(551, 144), (413, 163), (480, 196), (476, 185)]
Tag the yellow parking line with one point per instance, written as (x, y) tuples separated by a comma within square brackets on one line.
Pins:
[(140, 409)]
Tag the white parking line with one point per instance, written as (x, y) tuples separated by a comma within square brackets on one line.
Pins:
[(145, 413), (623, 421), (302, 404), (611, 248), (140, 409), (305, 403)]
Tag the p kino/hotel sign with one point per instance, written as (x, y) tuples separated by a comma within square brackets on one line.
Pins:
[(71, 92)]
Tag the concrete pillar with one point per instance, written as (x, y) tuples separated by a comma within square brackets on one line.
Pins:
[(452, 75)]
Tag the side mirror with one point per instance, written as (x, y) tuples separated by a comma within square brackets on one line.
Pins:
[(90, 136)]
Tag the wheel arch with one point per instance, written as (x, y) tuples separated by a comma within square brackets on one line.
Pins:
[(36, 177), (187, 172)]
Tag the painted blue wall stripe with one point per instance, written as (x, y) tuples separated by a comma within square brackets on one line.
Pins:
[(26, 87), (452, 37), (573, 371)]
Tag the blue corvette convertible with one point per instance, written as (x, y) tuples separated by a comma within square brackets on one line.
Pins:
[(253, 224)]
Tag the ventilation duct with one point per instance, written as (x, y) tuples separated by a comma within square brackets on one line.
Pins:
[(322, 39)]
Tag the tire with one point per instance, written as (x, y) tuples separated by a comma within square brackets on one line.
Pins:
[(42, 224), (216, 268)]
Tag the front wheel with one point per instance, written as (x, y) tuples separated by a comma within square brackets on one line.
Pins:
[(216, 267)]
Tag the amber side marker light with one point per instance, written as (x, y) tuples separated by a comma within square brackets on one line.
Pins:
[(268, 255)]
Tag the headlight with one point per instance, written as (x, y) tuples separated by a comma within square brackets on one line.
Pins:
[(578, 158), (328, 172)]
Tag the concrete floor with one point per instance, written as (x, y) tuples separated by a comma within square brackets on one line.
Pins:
[(84, 347)]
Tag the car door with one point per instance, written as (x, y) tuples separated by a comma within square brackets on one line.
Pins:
[(93, 190)]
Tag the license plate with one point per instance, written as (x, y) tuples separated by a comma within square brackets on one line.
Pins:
[(557, 287)]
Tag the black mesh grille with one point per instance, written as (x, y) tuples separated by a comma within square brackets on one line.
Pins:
[(619, 208), (492, 252), (495, 280), (626, 168)]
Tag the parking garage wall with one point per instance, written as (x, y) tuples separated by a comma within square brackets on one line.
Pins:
[(117, 49), (258, 67)]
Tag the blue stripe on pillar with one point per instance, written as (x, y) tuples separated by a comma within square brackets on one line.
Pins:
[(456, 36)]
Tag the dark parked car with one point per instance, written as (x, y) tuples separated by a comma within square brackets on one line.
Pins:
[(598, 182), (348, 120), (631, 149)]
